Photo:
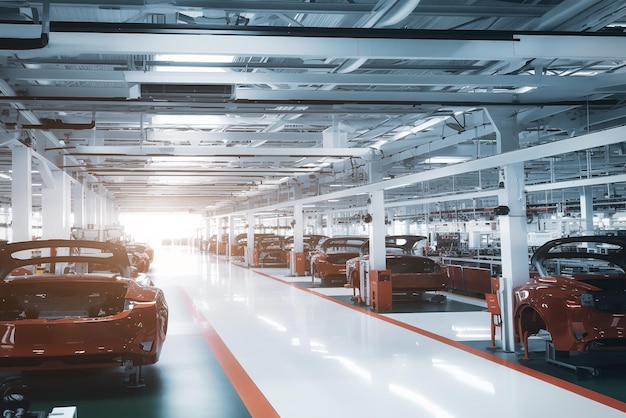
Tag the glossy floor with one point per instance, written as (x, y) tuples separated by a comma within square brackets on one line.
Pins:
[(255, 342)]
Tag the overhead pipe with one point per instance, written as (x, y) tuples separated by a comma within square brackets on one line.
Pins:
[(50, 124)]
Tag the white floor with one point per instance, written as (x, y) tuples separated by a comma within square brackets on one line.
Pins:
[(311, 356)]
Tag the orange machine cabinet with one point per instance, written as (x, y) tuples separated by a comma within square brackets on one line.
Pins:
[(380, 290), (299, 267)]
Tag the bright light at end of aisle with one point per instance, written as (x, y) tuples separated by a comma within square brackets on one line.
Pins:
[(156, 227)]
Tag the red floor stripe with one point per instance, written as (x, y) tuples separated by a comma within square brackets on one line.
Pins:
[(254, 400), (587, 393)]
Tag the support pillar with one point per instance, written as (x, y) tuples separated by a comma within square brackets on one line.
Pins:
[(249, 259), (231, 235), (55, 205), (586, 210), (513, 228), (21, 194), (78, 208), (377, 230)]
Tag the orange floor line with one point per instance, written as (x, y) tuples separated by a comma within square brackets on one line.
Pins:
[(590, 394), (254, 400)]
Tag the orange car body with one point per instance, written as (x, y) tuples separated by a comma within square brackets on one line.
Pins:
[(76, 319), (329, 262), (579, 296), (410, 273)]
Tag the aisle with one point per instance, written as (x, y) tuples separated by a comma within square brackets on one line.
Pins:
[(312, 356)]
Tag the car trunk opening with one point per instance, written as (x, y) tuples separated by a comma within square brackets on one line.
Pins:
[(60, 299), (610, 298)]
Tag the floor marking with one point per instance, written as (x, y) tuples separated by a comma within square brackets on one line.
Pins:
[(579, 390), (254, 400)]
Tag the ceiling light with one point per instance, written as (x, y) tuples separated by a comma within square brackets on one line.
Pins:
[(174, 59), (204, 120), (445, 160), (195, 58)]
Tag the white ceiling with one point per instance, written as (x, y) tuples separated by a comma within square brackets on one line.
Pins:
[(216, 107)]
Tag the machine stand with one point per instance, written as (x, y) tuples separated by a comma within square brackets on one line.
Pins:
[(553, 357), (133, 375)]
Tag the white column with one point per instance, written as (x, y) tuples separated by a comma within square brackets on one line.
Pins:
[(91, 208), (586, 210), (377, 230), (78, 208), (21, 194), (55, 205), (329, 223), (514, 247), (298, 228), (231, 234), (513, 228), (250, 243)]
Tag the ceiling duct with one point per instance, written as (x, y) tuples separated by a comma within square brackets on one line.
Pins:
[(193, 93), (24, 31)]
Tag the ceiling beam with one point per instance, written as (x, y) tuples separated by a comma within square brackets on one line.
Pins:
[(209, 151), (296, 79), (592, 140), (431, 45)]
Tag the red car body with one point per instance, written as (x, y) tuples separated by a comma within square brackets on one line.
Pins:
[(58, 313), (329, 262), (410, 273), (579, 295)]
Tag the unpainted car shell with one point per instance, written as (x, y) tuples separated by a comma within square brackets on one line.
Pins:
[(582, 310)]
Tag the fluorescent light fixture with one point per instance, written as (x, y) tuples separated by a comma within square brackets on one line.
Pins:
[(445, 160), (224, 59), (189, 58), (187, 69), (204, 120), (5, 176), (516, 90)]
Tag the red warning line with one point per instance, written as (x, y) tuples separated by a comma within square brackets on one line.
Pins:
[(254, 400), (587, 393)]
